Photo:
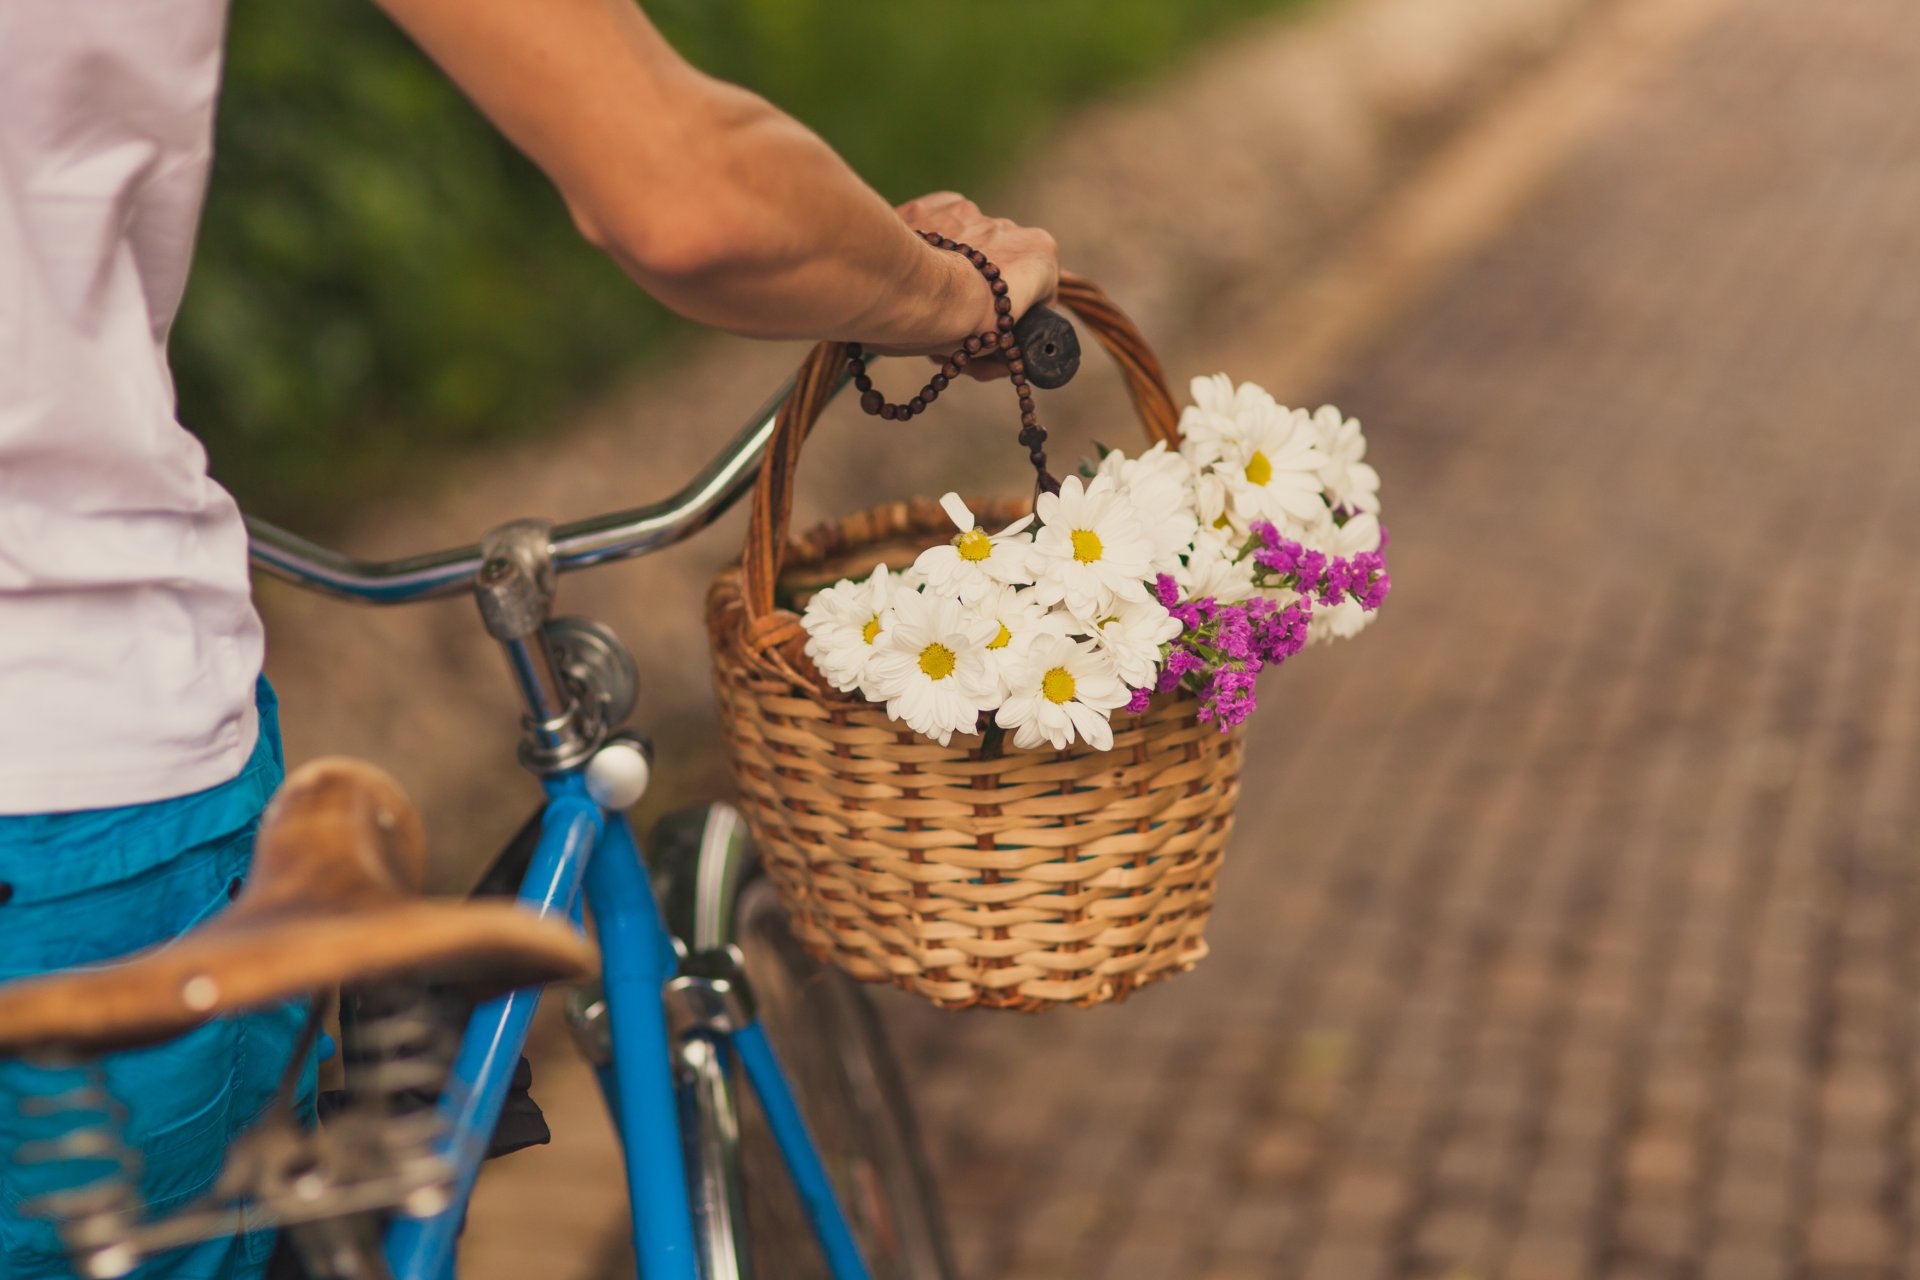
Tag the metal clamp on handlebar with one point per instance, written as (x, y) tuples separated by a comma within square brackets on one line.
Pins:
[(566, 721), (578, 680)]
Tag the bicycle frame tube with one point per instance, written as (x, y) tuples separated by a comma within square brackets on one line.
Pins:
[(587, 853), (798, 1150), (637, 959), (422, 1249)]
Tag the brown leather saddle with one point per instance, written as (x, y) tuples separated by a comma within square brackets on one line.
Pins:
[(332, 900)]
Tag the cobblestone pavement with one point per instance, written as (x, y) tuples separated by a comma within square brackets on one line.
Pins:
[(1571, 927)]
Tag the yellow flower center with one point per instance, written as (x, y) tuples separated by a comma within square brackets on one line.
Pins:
[(937, 661), (1086, 546), (1001, 641), (871, 630), (1259, 470), (974, 545), (1221, 522), (1057, 685)]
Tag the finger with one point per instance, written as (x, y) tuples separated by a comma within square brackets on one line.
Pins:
[(985, 368), (937, 205)]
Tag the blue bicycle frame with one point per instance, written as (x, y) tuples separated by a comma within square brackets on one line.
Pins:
[(587, 854), (586, 859)]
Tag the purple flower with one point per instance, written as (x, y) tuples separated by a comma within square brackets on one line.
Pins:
[(1223, 648), (1235, 636), (1280, 558), (1312, 567), (1138, 702), (1228, 699), (1333, 589)]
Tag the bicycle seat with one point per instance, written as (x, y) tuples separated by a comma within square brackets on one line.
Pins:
[(332, 899)]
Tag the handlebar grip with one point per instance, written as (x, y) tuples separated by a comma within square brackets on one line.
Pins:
[(1050, 347)]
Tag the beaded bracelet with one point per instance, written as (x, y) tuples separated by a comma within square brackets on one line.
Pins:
[(1001, 338)]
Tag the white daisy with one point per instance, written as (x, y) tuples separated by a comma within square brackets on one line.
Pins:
[(843, 622), (975, 561), (1212, 570), (1066, 689), (930, 666), (1131, 635), (1219, 412), (1350, 482), (1337, 622), (1091, 549), (1360, 533), (1213, 506), (1159, 484), (1020, 618), (1272, 470)]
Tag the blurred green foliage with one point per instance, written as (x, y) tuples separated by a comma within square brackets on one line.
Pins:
[(381, 278)]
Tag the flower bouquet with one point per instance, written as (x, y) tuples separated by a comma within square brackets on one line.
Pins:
[(1195, 568), (1004, 774)]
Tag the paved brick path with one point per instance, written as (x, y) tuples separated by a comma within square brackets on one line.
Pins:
[(1601, 960)]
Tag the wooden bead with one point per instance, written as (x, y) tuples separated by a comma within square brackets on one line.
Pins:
[(990, 271), (1029, 418), (918, 404), (1006, 327), (1003, 306), (871, 400), (973, 346), (862, 382), (940, 381), (999, 287), (889, 412), (1018, 368), (978, 258)]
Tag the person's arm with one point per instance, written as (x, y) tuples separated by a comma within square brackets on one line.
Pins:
[(727, 210)]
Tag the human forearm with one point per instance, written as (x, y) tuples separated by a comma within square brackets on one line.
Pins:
[(723, 207), (770, 234)]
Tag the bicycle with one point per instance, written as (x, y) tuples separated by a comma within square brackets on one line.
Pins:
[(699, 975)]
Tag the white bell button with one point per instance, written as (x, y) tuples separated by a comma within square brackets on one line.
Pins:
[(618, 774)]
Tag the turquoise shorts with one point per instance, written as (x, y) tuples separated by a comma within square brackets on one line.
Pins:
[(80, 888)]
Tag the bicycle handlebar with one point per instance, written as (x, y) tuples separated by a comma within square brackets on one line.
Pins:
[(1052, 354)]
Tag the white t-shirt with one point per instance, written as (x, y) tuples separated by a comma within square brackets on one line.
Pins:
[(129, 645)]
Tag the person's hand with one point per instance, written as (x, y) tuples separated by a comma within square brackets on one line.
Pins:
[(1028, 260)]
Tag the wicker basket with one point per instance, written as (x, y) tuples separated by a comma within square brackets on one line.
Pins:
[(1014, 880)]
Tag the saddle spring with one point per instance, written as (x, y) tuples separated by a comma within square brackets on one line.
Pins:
[(397, 1047), (86, 1125)]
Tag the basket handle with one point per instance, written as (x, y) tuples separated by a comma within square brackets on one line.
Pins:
[(819, 378)]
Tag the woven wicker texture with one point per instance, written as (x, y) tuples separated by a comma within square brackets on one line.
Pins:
[(1020, 879)]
